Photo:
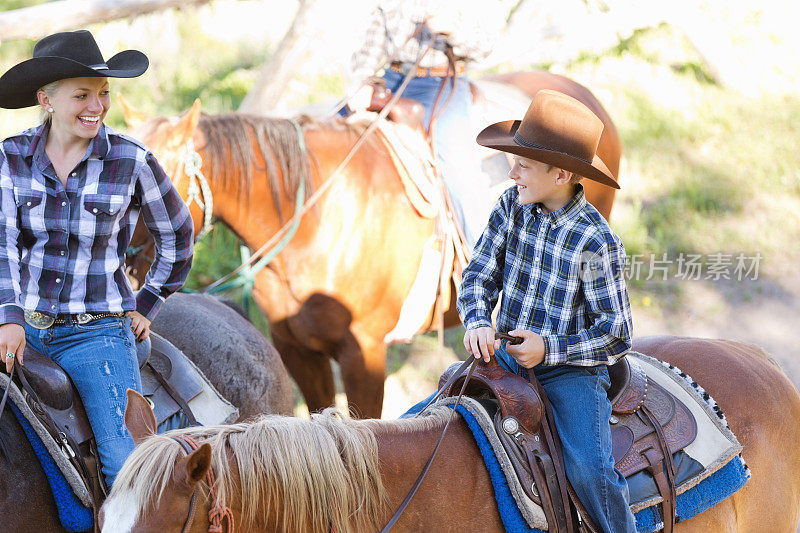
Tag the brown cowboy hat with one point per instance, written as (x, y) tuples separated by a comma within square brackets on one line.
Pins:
[(557, 130), (71, 54)]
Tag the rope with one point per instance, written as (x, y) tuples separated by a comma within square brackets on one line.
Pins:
[(294, 221), (192, 164)]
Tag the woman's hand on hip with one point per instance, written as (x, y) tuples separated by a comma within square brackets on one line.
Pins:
[(12, 340), (140, 325)]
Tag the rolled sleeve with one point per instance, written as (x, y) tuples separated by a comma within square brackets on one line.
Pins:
[(167, 217)]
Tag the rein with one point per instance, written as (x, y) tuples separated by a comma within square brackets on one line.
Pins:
[(218, 512), (8, 388), (469, 362)]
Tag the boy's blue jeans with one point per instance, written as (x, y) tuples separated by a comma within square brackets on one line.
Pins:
[(100, 358), (581, 410), (455, 146)]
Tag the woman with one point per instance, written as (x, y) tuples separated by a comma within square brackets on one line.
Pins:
[(71, 191)]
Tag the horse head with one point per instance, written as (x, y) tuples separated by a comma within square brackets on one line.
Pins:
[(150, 502)]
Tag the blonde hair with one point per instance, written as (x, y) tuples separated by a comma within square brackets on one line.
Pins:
[(49, 89)]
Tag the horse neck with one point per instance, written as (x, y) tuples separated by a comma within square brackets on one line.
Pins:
[(456, 488)]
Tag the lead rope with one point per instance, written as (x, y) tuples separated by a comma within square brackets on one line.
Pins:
[(257, 255)]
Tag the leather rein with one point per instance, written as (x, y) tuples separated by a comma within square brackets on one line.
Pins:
[(218, 511), (470, 362)]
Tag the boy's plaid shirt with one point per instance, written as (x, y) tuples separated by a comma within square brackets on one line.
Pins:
[(63, 250), (561, 276)]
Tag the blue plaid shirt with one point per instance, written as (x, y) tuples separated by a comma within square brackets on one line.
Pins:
[(561, 276), (62, 250)]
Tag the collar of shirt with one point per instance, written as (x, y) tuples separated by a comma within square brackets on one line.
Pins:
[(98, 147), (569, 211)]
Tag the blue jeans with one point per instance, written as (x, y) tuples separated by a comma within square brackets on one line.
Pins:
[(100, 358), (582, 410), (455, 147)]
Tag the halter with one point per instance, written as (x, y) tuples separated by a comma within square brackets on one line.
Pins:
[(218, 511), (192, 164)]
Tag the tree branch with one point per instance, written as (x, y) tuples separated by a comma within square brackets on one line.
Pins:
[(44, 19)]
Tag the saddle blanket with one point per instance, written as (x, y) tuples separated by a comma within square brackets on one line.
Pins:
[(716, 451), (72, 498)]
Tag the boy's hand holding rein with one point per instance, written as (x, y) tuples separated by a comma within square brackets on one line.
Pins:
[(480, 342), (530, 352)]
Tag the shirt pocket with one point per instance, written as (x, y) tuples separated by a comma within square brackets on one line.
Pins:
[(30, 209), (104, 210)]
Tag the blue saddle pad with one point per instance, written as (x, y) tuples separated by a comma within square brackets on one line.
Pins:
[(73, 514), (717, 487)]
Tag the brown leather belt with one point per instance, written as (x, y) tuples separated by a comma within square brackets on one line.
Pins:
[(40, 320), (423, 72)]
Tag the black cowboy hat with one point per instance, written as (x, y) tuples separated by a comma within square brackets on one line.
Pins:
[(71, 54), (557, 130)]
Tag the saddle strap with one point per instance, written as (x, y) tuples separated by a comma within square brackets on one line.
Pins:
[(663, 470), (174, 393), (554, 444), (547, 483)]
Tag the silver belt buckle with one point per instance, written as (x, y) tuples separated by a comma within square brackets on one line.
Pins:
[(39, 320), (83, 318)]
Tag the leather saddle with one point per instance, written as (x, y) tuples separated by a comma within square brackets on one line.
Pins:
[(648, 426), (405, 111), (55, 401)]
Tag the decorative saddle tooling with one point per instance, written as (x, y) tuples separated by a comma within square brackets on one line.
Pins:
[(655, 408), (54, 418)]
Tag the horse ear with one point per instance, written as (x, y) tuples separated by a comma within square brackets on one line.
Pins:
[(133, 117), (184, 128), (139, 417), (191, 469)]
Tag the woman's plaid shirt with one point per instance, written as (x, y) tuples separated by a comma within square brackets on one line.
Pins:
[(62, 250), (561, 276)]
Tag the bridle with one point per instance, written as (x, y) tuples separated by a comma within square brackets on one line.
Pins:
[(198, 189), (218, 511)]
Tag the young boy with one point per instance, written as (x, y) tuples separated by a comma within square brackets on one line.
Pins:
[(559, 267)]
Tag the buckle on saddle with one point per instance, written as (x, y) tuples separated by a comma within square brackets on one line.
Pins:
[(39, 320)]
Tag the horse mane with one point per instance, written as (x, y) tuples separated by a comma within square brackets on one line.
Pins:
[(238, 143), (316, 475)]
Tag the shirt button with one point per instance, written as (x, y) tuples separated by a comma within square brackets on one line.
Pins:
[(58, 280), (94, 210), (63, 203), (74, 174), (62, 252), (53, 306)]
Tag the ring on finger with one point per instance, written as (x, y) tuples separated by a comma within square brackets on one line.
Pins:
[(10, 355)]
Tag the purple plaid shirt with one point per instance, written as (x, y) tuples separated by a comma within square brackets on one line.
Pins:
[(62, 250)]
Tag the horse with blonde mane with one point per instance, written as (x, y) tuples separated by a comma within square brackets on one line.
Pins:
[(335, 474), (337, 288)]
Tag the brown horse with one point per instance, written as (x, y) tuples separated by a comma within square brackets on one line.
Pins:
[(336, 289), (338, 475)]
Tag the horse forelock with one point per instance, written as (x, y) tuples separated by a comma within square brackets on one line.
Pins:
[(315, 475), (237, 144)]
